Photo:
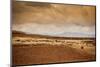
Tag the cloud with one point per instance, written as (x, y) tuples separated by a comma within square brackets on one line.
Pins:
[(56, 29), (54, 19)]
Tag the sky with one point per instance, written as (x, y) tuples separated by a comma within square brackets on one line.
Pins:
[(54, 19)]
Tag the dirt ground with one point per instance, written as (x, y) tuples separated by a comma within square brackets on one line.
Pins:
[(44, 54)]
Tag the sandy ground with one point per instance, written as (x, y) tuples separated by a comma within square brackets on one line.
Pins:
[(23, 54), (44, 54)]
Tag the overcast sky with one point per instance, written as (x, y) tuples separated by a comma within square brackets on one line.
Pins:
[(54, 19)]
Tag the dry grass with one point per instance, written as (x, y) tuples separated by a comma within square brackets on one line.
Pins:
[(31, 53)]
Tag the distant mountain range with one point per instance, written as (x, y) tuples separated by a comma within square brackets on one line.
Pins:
[(22, 34)]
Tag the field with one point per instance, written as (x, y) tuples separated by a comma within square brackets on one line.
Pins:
[(43, 49)]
